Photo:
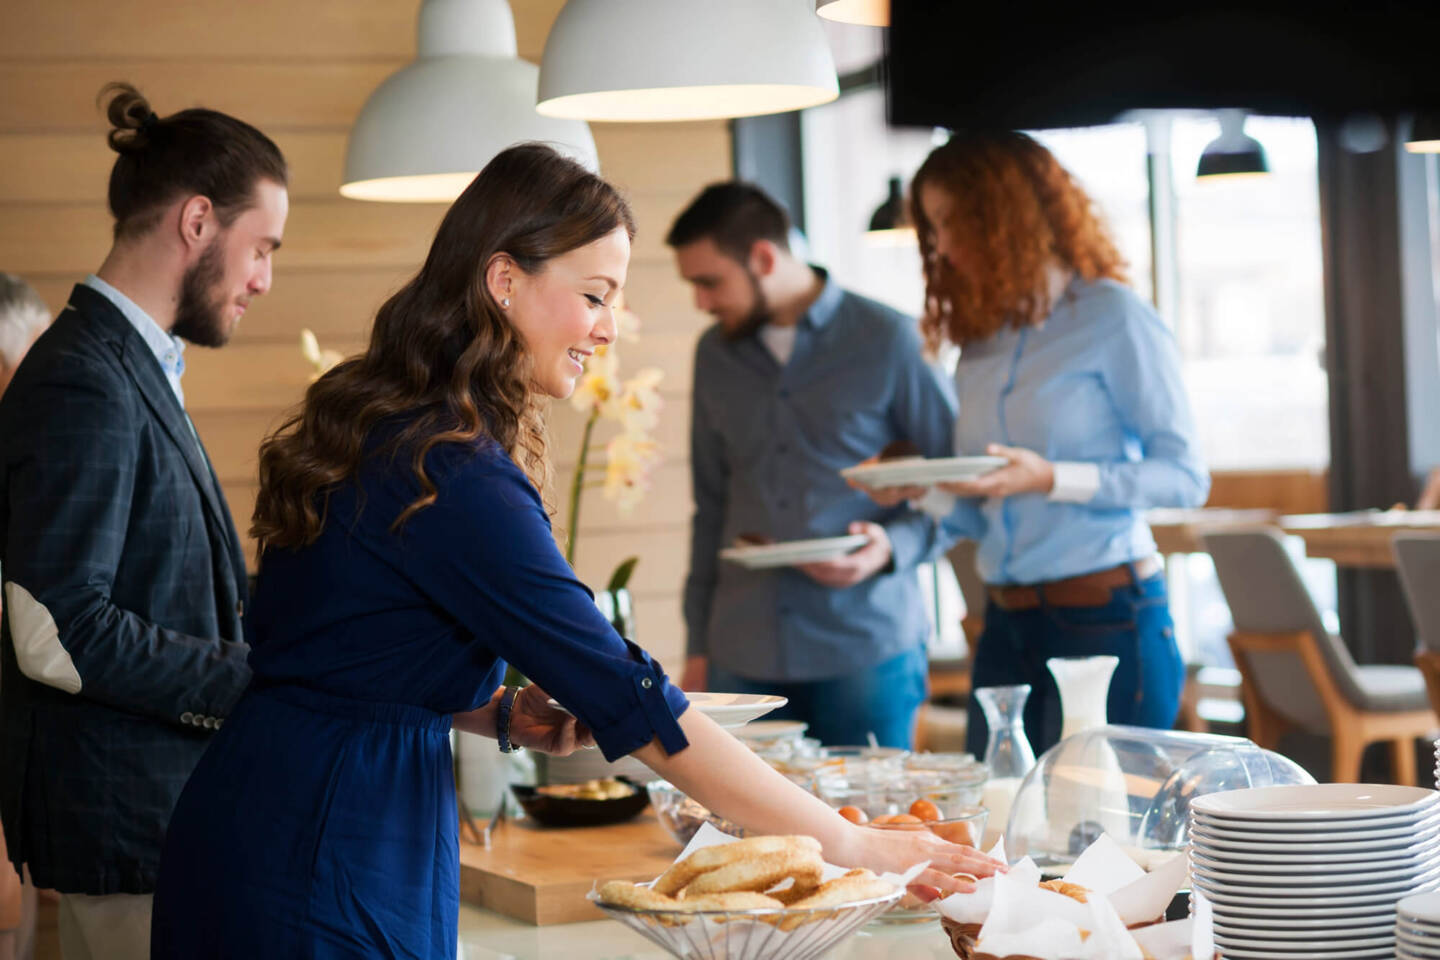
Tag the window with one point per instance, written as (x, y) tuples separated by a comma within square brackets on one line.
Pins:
[(1250, 314)]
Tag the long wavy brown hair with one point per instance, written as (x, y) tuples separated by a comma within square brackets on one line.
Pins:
[(444, 362), (1016, 212)]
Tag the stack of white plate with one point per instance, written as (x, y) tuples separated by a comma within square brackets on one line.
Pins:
[(1417, 927), (1313, 871)]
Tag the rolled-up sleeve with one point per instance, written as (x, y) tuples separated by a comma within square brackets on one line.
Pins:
[(484, 552)]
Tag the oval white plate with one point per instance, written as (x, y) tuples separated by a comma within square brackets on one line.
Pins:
[(792, 552), (729, 710), (1316, 801), (921, 472)]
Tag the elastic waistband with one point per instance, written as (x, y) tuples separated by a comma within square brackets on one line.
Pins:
[(367, 711)]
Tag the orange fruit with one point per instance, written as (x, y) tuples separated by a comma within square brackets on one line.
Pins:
[(924, 810), (853, 814), (904, 818)]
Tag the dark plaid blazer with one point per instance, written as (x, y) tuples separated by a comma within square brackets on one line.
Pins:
[(121, 648)]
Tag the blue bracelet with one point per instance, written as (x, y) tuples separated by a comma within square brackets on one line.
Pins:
[(502, 721)]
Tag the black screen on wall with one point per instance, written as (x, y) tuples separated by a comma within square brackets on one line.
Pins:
[(1034, 65)]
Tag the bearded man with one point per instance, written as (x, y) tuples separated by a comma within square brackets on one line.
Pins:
[(124, 579), (797, 379)]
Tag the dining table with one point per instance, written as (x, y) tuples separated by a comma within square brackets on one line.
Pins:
[(1359, 538), (1180, 530)]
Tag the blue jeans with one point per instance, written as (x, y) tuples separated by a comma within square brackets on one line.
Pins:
[(841, 711), (1134, 626)]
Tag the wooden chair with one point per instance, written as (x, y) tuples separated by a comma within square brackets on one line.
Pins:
[(1295, 674), (1351, 728), (1417, 560)]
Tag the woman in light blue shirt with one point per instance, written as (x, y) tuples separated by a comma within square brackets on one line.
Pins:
[(1075, 380)]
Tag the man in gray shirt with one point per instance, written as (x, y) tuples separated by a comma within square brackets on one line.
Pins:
[(797, 380)]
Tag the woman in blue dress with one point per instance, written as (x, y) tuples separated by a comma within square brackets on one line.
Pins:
[(406, 557), (1074, 380)]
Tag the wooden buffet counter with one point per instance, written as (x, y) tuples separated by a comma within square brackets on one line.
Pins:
[(540, 875)]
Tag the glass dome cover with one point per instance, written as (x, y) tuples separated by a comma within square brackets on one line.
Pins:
[(1135, 784)]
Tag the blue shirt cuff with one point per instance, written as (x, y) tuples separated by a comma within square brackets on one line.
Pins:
[(654, 713)]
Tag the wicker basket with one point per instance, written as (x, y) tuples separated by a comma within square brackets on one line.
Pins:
[(963, 937)]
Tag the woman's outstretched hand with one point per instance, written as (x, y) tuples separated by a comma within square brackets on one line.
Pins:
[(536, 725), (897, 850)]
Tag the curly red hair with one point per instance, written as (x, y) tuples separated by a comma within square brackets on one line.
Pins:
[(1016, 211)]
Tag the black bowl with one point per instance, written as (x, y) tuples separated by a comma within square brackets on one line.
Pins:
[(574, 812)]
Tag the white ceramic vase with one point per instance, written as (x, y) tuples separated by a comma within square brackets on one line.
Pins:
[(1084, 684)]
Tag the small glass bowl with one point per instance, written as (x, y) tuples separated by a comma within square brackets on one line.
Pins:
[(681, 816), (880, 792), (957, 763)]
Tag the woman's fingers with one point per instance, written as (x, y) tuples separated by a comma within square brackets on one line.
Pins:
[(934, 884)]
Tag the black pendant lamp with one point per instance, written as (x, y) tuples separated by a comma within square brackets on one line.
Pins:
[(1424, 134), (1233, 153), (890, 224)]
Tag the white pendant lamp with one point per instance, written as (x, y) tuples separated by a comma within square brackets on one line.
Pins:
[(869, 13), (428, 129), (646, 60)]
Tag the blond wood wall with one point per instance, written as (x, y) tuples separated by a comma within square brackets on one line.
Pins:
[(300, 71)]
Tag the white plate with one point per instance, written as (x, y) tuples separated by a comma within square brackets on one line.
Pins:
[(729, 710), (1379, 846), (1323, 831), (1304, 941), (1429, 934), (1425, 939), (735, 709), (1305, 877), (1422, 908), (1310, 862), (1316, 801), (764, 731), (1268, 912), (1374, 925), (1340, 893), (1347, 861), (788, 554), (921, 472), (1302, 829), (1378, 953)]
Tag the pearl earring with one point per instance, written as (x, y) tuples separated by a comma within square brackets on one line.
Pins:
[(505, 302)]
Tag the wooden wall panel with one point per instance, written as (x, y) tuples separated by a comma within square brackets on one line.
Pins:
[(274, 95), (256, 29), (1288, 491)]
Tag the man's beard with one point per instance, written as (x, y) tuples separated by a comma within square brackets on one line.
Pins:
[(758, 316), (200, 315)]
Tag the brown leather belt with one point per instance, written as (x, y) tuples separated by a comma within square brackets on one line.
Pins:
[(1086, 590)]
